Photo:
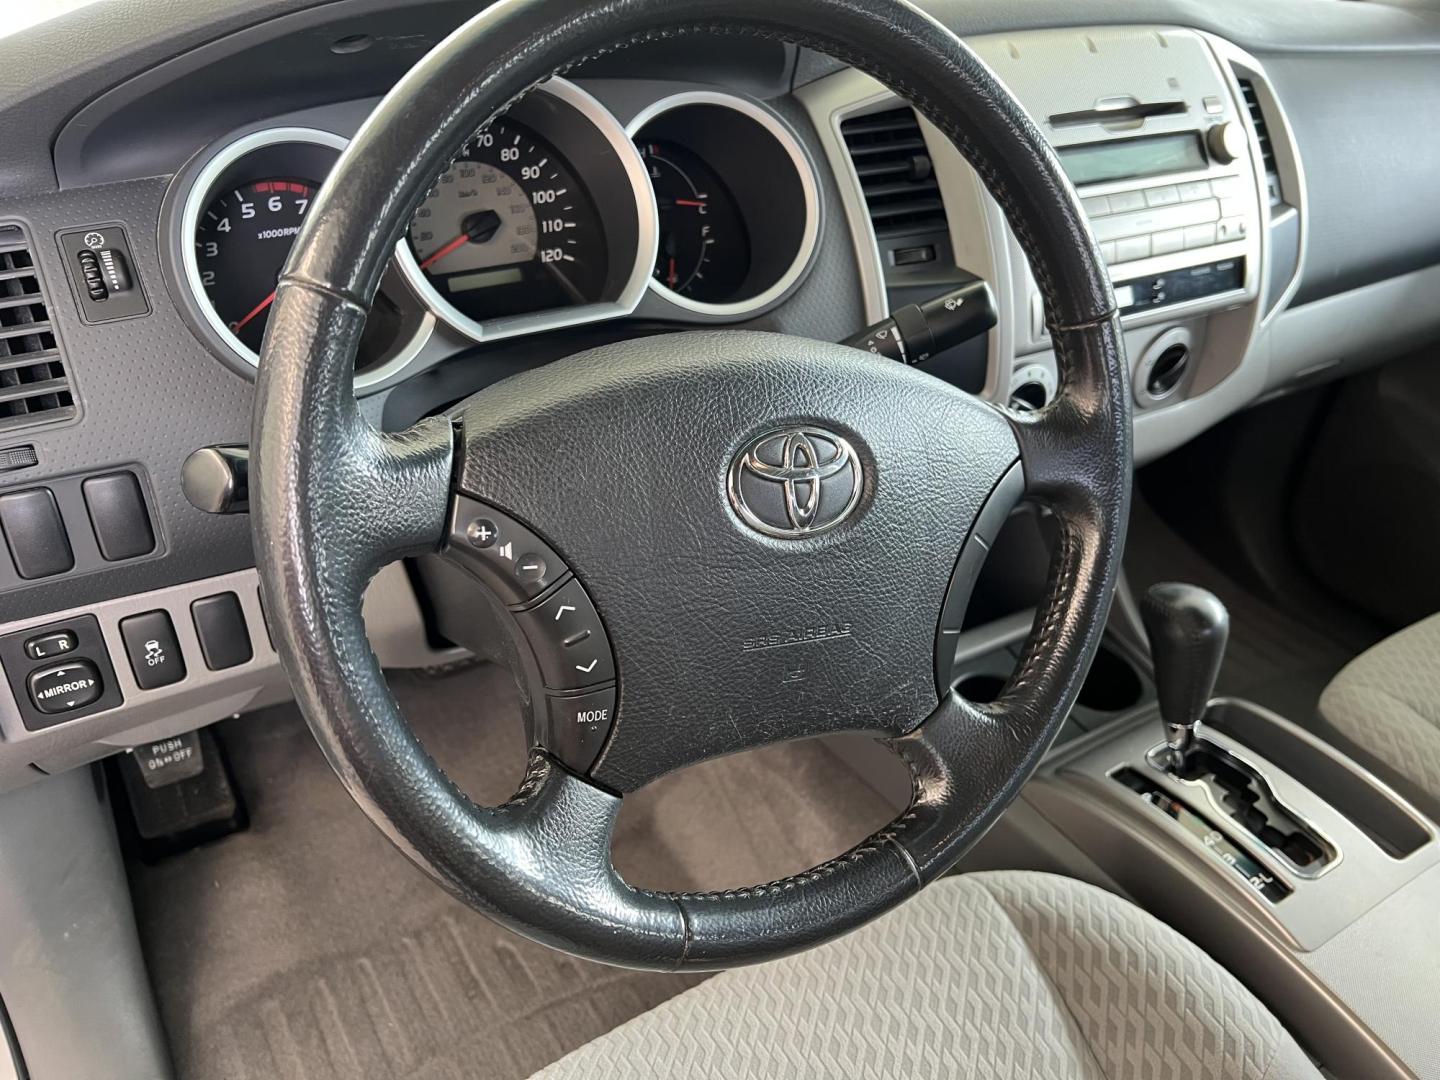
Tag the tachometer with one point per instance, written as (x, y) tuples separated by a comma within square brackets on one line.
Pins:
[(509, 229), (241, 241), (229, 223)]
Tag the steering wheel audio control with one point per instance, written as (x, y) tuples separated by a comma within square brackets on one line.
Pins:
[(569, 640), (579, 726), (557, 619), (502, 553)]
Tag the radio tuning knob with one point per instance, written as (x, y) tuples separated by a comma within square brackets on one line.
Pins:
[(1226, 142)]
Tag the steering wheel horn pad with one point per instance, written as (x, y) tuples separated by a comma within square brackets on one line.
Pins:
[(725, 635), (726, 638)]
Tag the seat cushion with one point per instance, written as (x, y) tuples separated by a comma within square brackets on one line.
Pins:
[(994, 975), (1386, 704)]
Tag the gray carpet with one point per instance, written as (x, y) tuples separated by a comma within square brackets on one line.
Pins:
[(309, 948), (1274, 658)]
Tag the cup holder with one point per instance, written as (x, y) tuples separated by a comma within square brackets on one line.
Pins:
[(1112, 685)]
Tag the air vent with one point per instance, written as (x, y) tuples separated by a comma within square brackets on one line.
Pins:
[(34, 387), (1262, 132), (896, 173)]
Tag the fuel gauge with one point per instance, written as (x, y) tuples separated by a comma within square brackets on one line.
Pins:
[(738, 204), (704, 251)]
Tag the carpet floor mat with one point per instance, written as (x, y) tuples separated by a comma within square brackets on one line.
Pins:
[(307, 947)]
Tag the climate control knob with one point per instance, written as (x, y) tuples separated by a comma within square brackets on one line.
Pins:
[(1226, 142)]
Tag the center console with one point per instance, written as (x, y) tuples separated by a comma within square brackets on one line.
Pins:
[(1307, 877)]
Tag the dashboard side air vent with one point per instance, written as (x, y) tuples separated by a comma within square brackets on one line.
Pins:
[(896, 174), (1262, 132), (34, 386)]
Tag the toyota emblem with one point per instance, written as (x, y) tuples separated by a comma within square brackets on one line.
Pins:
[(796, 482)]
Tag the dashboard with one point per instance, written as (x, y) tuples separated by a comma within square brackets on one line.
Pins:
[(556, 215), (1244, 172)]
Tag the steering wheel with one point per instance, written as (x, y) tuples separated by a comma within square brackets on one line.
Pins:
[(636, 475)]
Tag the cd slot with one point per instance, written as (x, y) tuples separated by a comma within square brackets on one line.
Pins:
[(1140, 110)]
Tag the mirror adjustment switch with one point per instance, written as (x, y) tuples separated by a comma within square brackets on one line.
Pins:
[(579, 726), (48, 646), (220, 626), (36, 533), (118, 515), (501, 552), (65, 687), (153, 649), (26, 657), (569, 640)]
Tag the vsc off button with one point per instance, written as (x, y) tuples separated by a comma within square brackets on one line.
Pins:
[(65, 687), (579, 726)]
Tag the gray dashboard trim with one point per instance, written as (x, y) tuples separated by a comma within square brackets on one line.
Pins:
[(1362, 122), (1303, 42), (78, 995), (106, 44), (394, 625), (150, 394), (830, 103), (1289, 165), (201, 698)]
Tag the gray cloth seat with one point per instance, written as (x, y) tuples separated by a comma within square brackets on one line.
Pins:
[(1386, 705), (996, 975)]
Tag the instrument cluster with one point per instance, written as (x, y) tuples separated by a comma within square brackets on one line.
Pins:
[(704, 208)]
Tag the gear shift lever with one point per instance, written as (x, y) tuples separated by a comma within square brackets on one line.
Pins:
[(1187, 628)]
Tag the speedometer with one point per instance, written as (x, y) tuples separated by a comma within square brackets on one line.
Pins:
[(509, 229)]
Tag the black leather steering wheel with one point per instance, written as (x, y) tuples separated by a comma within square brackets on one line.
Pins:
[(619, 460)]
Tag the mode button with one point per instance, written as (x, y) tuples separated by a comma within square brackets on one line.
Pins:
[(579, 726)]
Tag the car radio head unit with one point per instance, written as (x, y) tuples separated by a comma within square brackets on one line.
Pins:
[(1162, 161), (1134, 158)]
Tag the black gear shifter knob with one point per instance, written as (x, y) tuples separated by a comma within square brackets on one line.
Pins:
[(1187, 628)]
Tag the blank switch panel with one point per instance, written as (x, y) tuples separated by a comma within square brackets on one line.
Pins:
[(118, 515), (76, 524), (35, 533), (220, 626)]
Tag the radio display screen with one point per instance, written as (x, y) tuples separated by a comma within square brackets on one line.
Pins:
[(1129, 159)]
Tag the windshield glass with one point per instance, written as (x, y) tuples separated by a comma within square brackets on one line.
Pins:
[(23, 16)]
